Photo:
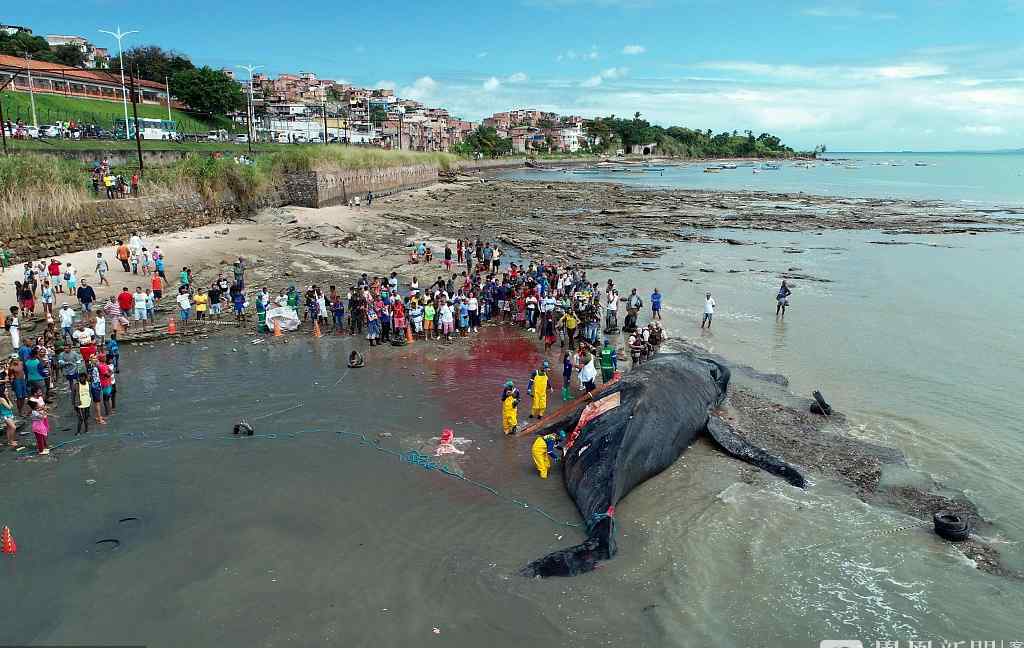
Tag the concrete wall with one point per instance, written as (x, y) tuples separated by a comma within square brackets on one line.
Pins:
[(336, 188), (104, 222)]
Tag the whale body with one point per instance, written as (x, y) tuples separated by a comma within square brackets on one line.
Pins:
[(632, 432)]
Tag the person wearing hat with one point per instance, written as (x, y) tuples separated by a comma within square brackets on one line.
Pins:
[(609, 361), (545, 448), (509, 408), (538, 388)]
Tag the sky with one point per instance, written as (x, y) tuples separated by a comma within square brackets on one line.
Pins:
[(854, 75)]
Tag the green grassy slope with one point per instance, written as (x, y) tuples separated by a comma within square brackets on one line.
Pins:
[(51, 108)]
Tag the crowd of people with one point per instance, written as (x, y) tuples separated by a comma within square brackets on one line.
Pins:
[(560, 304), (79, 345), (114, 185)]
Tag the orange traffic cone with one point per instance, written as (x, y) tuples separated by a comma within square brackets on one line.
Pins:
[(408, 334), (316, 328), (277, 328), (172, 328), (7, 544)]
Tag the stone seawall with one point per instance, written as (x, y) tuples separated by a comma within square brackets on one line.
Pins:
[(103, 222), (337, 187)]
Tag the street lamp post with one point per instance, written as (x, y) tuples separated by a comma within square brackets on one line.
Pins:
[(250, 113), (120, 57), (31, 92)]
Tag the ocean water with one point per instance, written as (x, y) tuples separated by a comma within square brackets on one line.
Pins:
[(305, 536), (984, 178)]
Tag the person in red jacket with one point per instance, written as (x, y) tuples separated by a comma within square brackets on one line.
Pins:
[(54, 270), (126, 302)]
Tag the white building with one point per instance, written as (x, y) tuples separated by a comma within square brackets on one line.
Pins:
[(83, 45)]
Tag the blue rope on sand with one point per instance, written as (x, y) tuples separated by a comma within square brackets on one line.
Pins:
[(411, 457)]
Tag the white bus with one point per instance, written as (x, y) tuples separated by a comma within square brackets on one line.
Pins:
[(151, 129)]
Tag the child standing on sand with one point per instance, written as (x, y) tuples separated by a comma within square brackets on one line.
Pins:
[(40, 426)]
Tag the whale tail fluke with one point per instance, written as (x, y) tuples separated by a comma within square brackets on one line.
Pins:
[(584, 557), (734, 445)]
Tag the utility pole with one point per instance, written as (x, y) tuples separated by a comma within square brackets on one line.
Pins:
[(250, 110), (325, 122), (401, 128), (167, 85), (120, 57), (31, 90), (138, 135), (3, 123)]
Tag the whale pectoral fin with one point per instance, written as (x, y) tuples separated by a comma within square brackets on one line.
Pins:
[(736, 446)]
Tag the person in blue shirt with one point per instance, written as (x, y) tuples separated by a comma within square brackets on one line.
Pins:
[(238, 301), (113, 352), (463, 317), (656, 305)]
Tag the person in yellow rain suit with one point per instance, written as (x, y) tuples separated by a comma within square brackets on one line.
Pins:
[(544, 449), (509, 408), (538, 388)]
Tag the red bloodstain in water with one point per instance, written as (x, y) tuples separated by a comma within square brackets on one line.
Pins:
[(469, 382)]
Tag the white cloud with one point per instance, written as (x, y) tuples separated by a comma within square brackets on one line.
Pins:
[(987, 130), (482, 55), (386, 84), (421, 89), (633, 50), (492, 84), (571, 55), (605, 75), (828, 73), (518, 77)]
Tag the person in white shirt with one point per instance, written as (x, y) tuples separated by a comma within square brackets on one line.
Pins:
[(709, 310), (447, 318), (101, 326), (612, 306), (14, 327), (473, 306), (67, 320), (139, 302), (184, 306), (84, 335), (135, 244)]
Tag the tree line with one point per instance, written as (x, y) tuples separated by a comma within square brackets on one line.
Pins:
[(611, 133)]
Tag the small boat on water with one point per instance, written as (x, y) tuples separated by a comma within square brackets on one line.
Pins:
[(920, 164), (728, 165), (770, 166), (712, 169)]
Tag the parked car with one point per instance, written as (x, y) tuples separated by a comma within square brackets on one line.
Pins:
[(217, 136), (51, 130), (241, 138)]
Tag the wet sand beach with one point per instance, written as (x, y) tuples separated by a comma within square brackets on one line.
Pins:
[(308, 534)]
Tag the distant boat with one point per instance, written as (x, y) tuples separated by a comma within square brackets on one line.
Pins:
[(756, 170), (712, 169), (920, 164), (770, 166), (727, 165)]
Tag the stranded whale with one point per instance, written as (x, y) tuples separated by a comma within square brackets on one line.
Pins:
[(633, 432)]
